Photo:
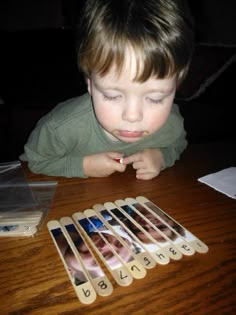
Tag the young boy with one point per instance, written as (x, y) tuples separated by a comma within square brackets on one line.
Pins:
[(134, 54)]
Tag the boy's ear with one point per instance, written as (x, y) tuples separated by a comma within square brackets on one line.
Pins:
[(89, 85)]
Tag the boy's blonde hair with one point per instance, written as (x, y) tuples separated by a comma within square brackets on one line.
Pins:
[(158, 31)]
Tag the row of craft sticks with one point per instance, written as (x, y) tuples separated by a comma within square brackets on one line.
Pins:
[(129, 236), (22, 223)]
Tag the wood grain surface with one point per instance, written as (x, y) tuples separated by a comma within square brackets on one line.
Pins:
[(33, 278)]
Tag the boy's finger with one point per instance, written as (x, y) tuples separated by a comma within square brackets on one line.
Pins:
[(131, 159)]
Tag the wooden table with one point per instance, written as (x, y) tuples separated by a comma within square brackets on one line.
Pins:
[(34, 281)]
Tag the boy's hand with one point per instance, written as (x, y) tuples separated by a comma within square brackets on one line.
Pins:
[(147, 163), (102, 164)]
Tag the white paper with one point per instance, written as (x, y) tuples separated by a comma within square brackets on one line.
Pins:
[(223, 181)]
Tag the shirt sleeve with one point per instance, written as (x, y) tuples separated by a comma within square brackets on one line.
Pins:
[(173, 151), (178, 144), (48, 153)]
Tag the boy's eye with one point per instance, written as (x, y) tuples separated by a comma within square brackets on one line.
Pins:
[(110, 98), (155, 101)]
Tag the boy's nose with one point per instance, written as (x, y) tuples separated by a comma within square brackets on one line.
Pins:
[(132, 113)]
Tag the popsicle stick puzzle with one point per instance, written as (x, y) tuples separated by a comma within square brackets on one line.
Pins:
[(124, 238)]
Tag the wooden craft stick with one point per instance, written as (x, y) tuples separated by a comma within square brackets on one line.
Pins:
[(11, 229), (82, 286), (138, 233), (21, 218), (160, 238), (114, 265), (125, 235), (31, 215), (168, 229), (87, 259), (196, 243)]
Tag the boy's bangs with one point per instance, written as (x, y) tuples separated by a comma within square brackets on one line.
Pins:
[(150, 61)]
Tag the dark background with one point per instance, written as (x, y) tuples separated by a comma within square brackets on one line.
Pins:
[(38, 69)]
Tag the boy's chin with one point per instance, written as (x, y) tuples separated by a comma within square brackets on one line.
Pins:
[(128, 140), (131, 140)]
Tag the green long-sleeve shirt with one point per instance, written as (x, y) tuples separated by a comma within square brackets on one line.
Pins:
[(70, 131)]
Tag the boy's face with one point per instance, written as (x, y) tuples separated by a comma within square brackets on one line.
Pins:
[(127, 110)]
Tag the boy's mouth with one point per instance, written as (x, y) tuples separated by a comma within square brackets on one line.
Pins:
[(130, 134)]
